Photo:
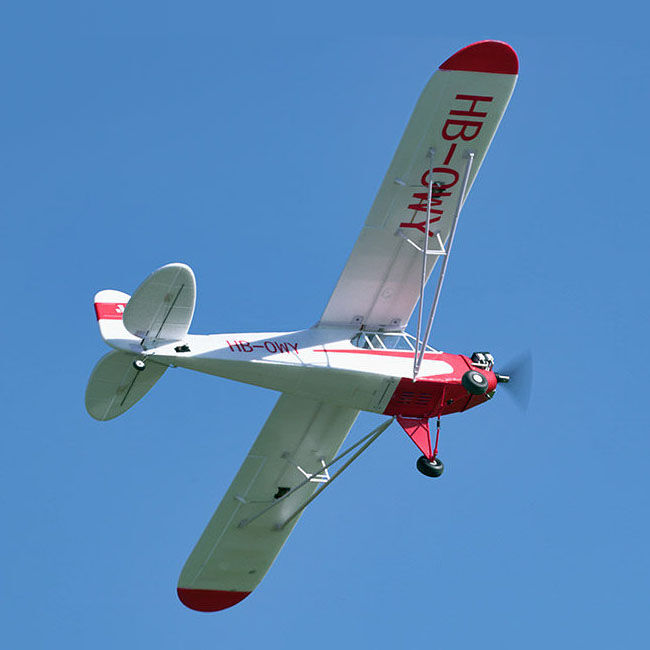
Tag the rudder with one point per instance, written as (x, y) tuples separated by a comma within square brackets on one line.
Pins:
[(109, 309)]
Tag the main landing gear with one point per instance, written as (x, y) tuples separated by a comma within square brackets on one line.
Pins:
[(417, 429), (430, 467)]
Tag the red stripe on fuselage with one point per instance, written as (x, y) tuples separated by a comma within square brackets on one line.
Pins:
[(429, 396), (403, 354)]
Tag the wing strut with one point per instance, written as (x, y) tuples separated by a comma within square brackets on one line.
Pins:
[(420, 346), (368, 440)]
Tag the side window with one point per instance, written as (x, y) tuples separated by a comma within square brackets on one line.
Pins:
[(375, 341), (361, 341), (384, 341), (411, 341), (397, 342)]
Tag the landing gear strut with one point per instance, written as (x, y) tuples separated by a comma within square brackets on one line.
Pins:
[(428, 464), (417, 429), (432, 466)]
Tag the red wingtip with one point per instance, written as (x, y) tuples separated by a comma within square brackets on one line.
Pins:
[(210, 600), (484, 56)]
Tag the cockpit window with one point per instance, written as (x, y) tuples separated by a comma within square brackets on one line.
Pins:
[(386, 341), (398, 342), (361, 340)]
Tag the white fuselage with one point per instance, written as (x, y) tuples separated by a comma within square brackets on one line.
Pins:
[(318, 362)]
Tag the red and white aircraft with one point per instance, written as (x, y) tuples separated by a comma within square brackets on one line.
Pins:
[(357, 357)]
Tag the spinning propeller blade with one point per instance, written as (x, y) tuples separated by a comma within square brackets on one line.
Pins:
[(520, 382)]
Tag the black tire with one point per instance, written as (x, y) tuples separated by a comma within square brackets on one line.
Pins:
[(475, 382), (139, 365), (430, 467)]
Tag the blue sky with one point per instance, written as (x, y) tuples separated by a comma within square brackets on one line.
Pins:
[(249, 143)]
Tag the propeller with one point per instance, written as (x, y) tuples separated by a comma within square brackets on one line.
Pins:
[(517, 378)]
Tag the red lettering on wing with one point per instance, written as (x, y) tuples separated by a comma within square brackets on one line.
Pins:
[(424, 199), (420, 225), (440, 170), (466, 106), (473, 99), (450, 153), (422, 207)]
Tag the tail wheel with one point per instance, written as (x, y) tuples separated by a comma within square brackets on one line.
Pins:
[(139, 365)]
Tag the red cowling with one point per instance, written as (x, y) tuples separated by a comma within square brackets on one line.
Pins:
[(429, 397)]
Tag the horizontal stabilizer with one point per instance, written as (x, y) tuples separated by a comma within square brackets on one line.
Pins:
[(163, 305), (115, 385)]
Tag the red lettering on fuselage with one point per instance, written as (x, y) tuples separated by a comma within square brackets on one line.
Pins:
[(274, 347)]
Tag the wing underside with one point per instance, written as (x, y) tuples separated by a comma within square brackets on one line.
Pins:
[(457, 114), (232, 556)]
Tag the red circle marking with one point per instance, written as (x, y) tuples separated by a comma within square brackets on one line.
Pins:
[(484, 56)]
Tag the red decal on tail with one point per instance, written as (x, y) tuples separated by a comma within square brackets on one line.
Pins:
[(109, 310)]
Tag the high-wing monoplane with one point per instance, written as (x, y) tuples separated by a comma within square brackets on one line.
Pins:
[(357, 357)]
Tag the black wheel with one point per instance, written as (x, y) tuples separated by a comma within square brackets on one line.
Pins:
[(430, 467), (139, 365), (474, 382)]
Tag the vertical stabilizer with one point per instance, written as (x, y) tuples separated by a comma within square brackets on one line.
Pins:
[(109, 308)]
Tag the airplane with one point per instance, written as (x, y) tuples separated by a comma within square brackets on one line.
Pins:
[(357, 357)]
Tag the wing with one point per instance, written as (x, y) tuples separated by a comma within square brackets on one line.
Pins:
[(457, 113), (231, 557)]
